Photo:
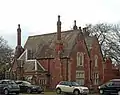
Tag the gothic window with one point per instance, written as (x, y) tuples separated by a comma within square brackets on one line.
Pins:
[(96, 61), (80, 59), (80, 77)]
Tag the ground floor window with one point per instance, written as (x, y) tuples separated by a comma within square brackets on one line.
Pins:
[(96, 78), (42, 81), (80, 77), (80, 81)]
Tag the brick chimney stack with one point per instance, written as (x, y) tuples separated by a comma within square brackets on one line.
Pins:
[(85, 31), (75, 26), (19, 35), (58, 28), (59, 43)]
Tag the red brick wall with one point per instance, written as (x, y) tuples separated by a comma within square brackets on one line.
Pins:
[(95, 50), (80, 47), (54, 66), (58, 70), (110, 72)]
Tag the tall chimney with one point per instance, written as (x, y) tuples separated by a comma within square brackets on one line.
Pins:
[(19, 35), (85, 31), (58, 28), (75, 26)]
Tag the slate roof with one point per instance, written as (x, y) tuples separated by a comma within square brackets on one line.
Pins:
[(44, 45), (89, 41), (30, 66)]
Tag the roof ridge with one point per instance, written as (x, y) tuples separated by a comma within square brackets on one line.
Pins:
[(52, 33)]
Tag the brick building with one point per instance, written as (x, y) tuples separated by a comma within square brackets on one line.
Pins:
[(71, 55)]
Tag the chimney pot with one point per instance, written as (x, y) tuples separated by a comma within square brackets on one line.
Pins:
[(85, 31), (58, 17), (80, 28), (18, 25), (58, 28), (75, 26), (19, 35)]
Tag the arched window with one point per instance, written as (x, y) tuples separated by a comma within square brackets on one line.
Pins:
[(80, 59), (96, 61)]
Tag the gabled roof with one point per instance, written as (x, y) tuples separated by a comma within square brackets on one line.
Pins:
[(30, 65), (43, 46), (89, 41)]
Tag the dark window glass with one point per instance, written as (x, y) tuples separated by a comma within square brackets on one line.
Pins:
[(75, 84), (65, 83), (69, 83), (110, 84), (0, 82), (4, 82), (10, 82), (62, 83), (117, 84)]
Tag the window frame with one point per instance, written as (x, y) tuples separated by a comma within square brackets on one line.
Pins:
[(96, 61), (81, 78), (80, 59), (96, 78)]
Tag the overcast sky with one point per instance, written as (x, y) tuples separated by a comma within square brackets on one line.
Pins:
[(40, 16)]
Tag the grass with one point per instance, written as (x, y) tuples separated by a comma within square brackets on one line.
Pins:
[(49, 93), (45, 93)]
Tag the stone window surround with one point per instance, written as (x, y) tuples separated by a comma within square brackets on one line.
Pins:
[(96, 60), (80, 59), (80, 77), (96, 78)]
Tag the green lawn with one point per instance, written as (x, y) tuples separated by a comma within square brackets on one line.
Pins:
[(49, 93), (45, 93)]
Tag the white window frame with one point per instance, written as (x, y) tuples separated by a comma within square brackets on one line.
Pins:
[(80, 81), (96, 78), (96, 61), (81, 74), (80, 58), (80, 77)]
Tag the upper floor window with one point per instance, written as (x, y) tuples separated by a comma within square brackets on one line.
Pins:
[(80, 59), (96, 61)]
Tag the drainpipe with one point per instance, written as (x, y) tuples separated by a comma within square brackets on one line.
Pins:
[(67, 72), (91, 77), (48, 74)]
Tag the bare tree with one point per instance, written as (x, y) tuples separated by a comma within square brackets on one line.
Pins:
[(109, 39), (5, 52)]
